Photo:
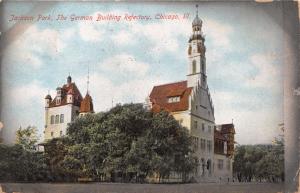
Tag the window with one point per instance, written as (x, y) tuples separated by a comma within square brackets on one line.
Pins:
[(60, 133), (203, 127), (52, 119), (202, 64), (202, 144), (57, 101), (195, 142), (209, 145), (228, 164), (196, 107), (61, 118), (209, 129), (195, 124), (194, 67), (174, 99), (56, 119), (220, 164), (52, 134)]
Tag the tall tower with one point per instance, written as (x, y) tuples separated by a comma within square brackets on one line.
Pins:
[(196, 55)]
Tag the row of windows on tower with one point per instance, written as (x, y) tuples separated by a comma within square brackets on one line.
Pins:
[(55, 119), (204, 144), (209, 128)]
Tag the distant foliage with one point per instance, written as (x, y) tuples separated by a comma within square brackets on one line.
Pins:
[(262, 163)]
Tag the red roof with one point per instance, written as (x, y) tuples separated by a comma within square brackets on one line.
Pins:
[(68, 88), (160, 94), (87, 104)]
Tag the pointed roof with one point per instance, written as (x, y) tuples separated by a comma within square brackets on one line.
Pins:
[(197, 21), (86, 105), (66, 89)]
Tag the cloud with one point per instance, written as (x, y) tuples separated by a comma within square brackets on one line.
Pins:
[(27, 94), (123, 38), (163, 36), (34, 42), (89, 32), (219, 33), (23, 105), (106, 92), (268, 72), (124, 64), (249, 122)]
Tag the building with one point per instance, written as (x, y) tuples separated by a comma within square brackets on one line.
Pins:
[(190, 103), (64, 108)]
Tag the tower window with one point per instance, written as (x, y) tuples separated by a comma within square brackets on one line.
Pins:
[(61, 118), (202, 64), (52, 134), (194, 66), (56, 119), (52, 119)]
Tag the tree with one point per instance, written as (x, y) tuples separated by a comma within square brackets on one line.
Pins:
[(260, 162), (127, 142), (27, 137)]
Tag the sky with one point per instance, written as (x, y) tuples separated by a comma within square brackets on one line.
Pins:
[(127, 58)]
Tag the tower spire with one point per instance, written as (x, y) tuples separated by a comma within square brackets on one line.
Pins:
[(88, 80), (197, 9)]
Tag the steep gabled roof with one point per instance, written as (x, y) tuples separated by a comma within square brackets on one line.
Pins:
[(71, 88), (160, 94)]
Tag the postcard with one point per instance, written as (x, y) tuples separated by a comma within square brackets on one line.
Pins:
[(149, 96)]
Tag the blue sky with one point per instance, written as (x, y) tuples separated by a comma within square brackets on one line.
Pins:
[(126, 59)]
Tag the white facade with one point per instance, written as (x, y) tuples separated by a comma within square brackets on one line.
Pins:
[(61, 110), (57, 119)]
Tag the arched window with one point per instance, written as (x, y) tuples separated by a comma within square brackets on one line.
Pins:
[(61, 118), (56, 119), (194, 67)]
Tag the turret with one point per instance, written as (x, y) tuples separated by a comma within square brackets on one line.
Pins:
[(86, 105), (69, 80), (48, 100)]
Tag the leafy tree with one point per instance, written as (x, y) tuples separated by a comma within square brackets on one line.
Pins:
[(128, 142), (27, 137)]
